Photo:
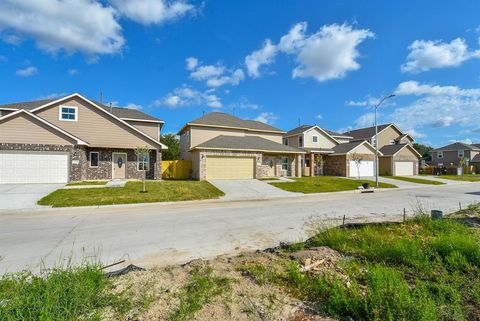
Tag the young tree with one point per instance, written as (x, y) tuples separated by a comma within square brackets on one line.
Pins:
[(462, 162), (357, 158), (173, 151), (142, 156)]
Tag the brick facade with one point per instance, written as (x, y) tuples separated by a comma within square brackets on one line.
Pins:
[(80, 161), (338, 165), (266, 165)]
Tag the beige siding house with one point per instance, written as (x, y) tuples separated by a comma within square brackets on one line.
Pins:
[(73, 138), (222, 146), (398, 157)]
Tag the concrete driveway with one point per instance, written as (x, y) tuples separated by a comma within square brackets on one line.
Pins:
[(23, 196), (249, 189)]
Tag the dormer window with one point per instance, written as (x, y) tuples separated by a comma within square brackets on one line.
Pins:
[(285, 141), (68, 113)]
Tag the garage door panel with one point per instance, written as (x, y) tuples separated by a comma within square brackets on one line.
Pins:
[(230, 167), (33, 168), (366, 169), (404, 168)]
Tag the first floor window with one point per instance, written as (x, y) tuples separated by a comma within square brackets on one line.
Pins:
[(285, 163), (144, 162), (94, 156)]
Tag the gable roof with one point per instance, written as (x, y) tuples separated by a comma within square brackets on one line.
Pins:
[(57, 129), (368, 132), (345, 148), (156, 142), (475, 159), (223, 120), (336, 134), (124, 113), (247, 143), (305, 128), (392, 150), (457, 146)]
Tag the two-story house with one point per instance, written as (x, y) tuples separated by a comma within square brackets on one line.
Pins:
[(74, 138), (451, 154), (222, 146), (398, 157), (330, 153)]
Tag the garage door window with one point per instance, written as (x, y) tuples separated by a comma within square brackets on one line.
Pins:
[(285, 163), (94, 156), (68, 113)]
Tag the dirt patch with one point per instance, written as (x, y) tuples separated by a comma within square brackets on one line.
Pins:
[(156, 293)]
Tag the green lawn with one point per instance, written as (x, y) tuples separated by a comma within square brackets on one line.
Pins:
[(466, 177), (322, 184), (82, 183), (163, 191), (415, 180)]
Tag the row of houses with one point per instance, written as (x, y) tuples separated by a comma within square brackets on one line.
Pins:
[(74, 138)]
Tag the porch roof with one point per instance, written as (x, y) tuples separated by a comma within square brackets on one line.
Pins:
[(318, 150)]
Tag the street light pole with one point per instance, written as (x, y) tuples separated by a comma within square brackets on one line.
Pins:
[(376, 135)]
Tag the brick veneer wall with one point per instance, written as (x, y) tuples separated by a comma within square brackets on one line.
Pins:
[(338, 165), (80, 160)]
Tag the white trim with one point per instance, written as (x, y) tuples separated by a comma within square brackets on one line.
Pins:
[(248, 150), (411, 148), (351, 150), (103, 110), (6, 108), (143, 120), (90, 159), (79, 141), (321, 130), (148, 163), (65, 106), (113, 162)]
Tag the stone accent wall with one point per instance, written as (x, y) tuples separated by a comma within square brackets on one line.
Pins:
[(262, 168), (80, 161), (335, 165)]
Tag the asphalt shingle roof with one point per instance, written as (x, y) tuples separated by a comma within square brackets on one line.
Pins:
[(456, 146), (389, 150), (365, 133), (247, 143), (346, 147), (475, 159), (336, 134), (117, 111), (227, 120), (299, 130)]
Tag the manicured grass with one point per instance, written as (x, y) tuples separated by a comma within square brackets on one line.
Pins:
[(163, 191), (415, 180), (71, 294), (322, 184), (87, 183), (417, 270), (466, 177)]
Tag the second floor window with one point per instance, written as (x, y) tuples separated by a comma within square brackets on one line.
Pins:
[(439, 154), (461, 153), (300, 141), (314, 139), (68, 113), (285, 141)]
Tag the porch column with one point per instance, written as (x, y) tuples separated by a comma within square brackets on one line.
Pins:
[(312, 159)]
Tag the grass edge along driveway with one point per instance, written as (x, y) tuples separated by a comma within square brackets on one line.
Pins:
[(324, 184), (465, 177), (415, 180), (157, 191)]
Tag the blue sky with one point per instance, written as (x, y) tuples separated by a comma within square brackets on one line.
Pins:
[(323, 62)]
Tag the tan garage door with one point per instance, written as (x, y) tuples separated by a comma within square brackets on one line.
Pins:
[(230, 167), (404, 168)]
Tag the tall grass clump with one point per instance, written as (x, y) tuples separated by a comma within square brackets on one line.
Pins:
[(74, 293)]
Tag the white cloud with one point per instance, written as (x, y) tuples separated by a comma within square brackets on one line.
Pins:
[(256, 59), (191, 62), (52, 96), (27, 72), (366, 120), (266, 117), (329, 53), (361, 103), (465, 141), (133, 106), (152, 11), (186, 96), (72, 72), (71, 25), (244, 103), (319, 116), (213, 75), (414, 88), (426, 54)]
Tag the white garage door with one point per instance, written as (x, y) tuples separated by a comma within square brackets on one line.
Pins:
[(18, 168), (403, 168), (230, 167), (365, 168)]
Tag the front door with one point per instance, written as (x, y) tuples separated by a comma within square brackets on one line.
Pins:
[(119, 164)]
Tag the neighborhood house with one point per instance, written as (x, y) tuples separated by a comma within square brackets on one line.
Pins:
[(454, 154), (73, 139)]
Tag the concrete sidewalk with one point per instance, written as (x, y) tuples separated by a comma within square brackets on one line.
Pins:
[(249, 189)]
